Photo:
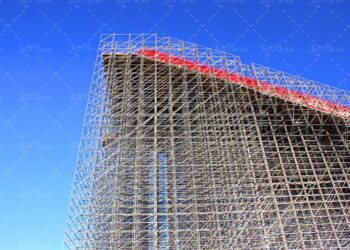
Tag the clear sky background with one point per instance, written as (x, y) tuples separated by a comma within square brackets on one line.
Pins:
[(47, 53)]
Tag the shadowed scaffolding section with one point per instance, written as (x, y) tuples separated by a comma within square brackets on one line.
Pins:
[(185, 147)]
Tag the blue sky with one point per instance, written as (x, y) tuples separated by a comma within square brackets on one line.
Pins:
[(47, 53)]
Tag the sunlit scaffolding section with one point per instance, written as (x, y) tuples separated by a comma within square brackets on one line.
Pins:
[(185, 147)]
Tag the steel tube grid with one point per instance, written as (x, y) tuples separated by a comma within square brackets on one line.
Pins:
[(174, 155)]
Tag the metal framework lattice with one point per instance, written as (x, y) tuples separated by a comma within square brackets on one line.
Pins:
[(185, 147)]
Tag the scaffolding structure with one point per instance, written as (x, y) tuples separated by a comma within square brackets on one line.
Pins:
[(185, 147)]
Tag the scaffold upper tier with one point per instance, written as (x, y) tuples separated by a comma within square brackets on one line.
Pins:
[(310, 101)]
